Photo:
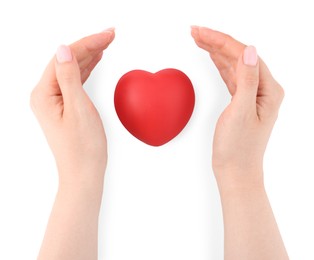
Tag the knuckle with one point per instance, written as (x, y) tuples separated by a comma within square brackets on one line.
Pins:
[(272, 102), (281, 91), (67, 76), (275, 100), (36, 100), (33, 99), (251, 80), (228, 37), (278, 94)]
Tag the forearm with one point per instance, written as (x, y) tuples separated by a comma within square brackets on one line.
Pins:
[(72, 230), (251, 231)]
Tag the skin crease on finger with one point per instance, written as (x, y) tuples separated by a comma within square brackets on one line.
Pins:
[(75, 133)]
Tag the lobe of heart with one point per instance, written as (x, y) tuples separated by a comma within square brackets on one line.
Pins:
[(154, 107)]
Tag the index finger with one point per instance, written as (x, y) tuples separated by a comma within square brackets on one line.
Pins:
[(85, 50), (215, 41)]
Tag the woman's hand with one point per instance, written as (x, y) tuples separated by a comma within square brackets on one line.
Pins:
[(243, 129), (69, 119), (77, 139), (241, 136)]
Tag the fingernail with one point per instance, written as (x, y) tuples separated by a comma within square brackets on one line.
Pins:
[(195, 30), (64, 54), (109, 30), (109, 33), (250, 56)]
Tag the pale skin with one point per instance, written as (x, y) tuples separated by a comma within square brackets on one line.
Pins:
[(76, 135), (77, 139), (240, 140)]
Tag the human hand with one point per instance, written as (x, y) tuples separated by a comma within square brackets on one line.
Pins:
[(243, 129), (69, 119), (241, 136)]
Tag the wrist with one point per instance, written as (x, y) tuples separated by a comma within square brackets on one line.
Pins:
[(87, 183), (81, 194), (81, 174), (238, 181)]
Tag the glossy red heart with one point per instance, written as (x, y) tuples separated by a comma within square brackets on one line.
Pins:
[(154, 107)]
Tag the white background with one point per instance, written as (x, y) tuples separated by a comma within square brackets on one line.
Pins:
[(158, 203)]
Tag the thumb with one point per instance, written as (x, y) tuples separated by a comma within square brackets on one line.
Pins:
[(247, 79), (68, 74)]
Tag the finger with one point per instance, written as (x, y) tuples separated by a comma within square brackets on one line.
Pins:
[(267, 81), (247, 81), (85, 50), (214, 41), (227, 70), (96, 42), (265, 74), (223, 50), (270, 93), (68, 75), (87, 71)]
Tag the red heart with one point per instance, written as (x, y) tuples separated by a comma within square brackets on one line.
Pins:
[(154, 107)]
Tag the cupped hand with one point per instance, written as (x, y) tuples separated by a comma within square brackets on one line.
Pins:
[(244, 127), (68, 117)]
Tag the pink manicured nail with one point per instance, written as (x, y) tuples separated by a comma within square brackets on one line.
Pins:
[(250, 56), (64, 54)]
